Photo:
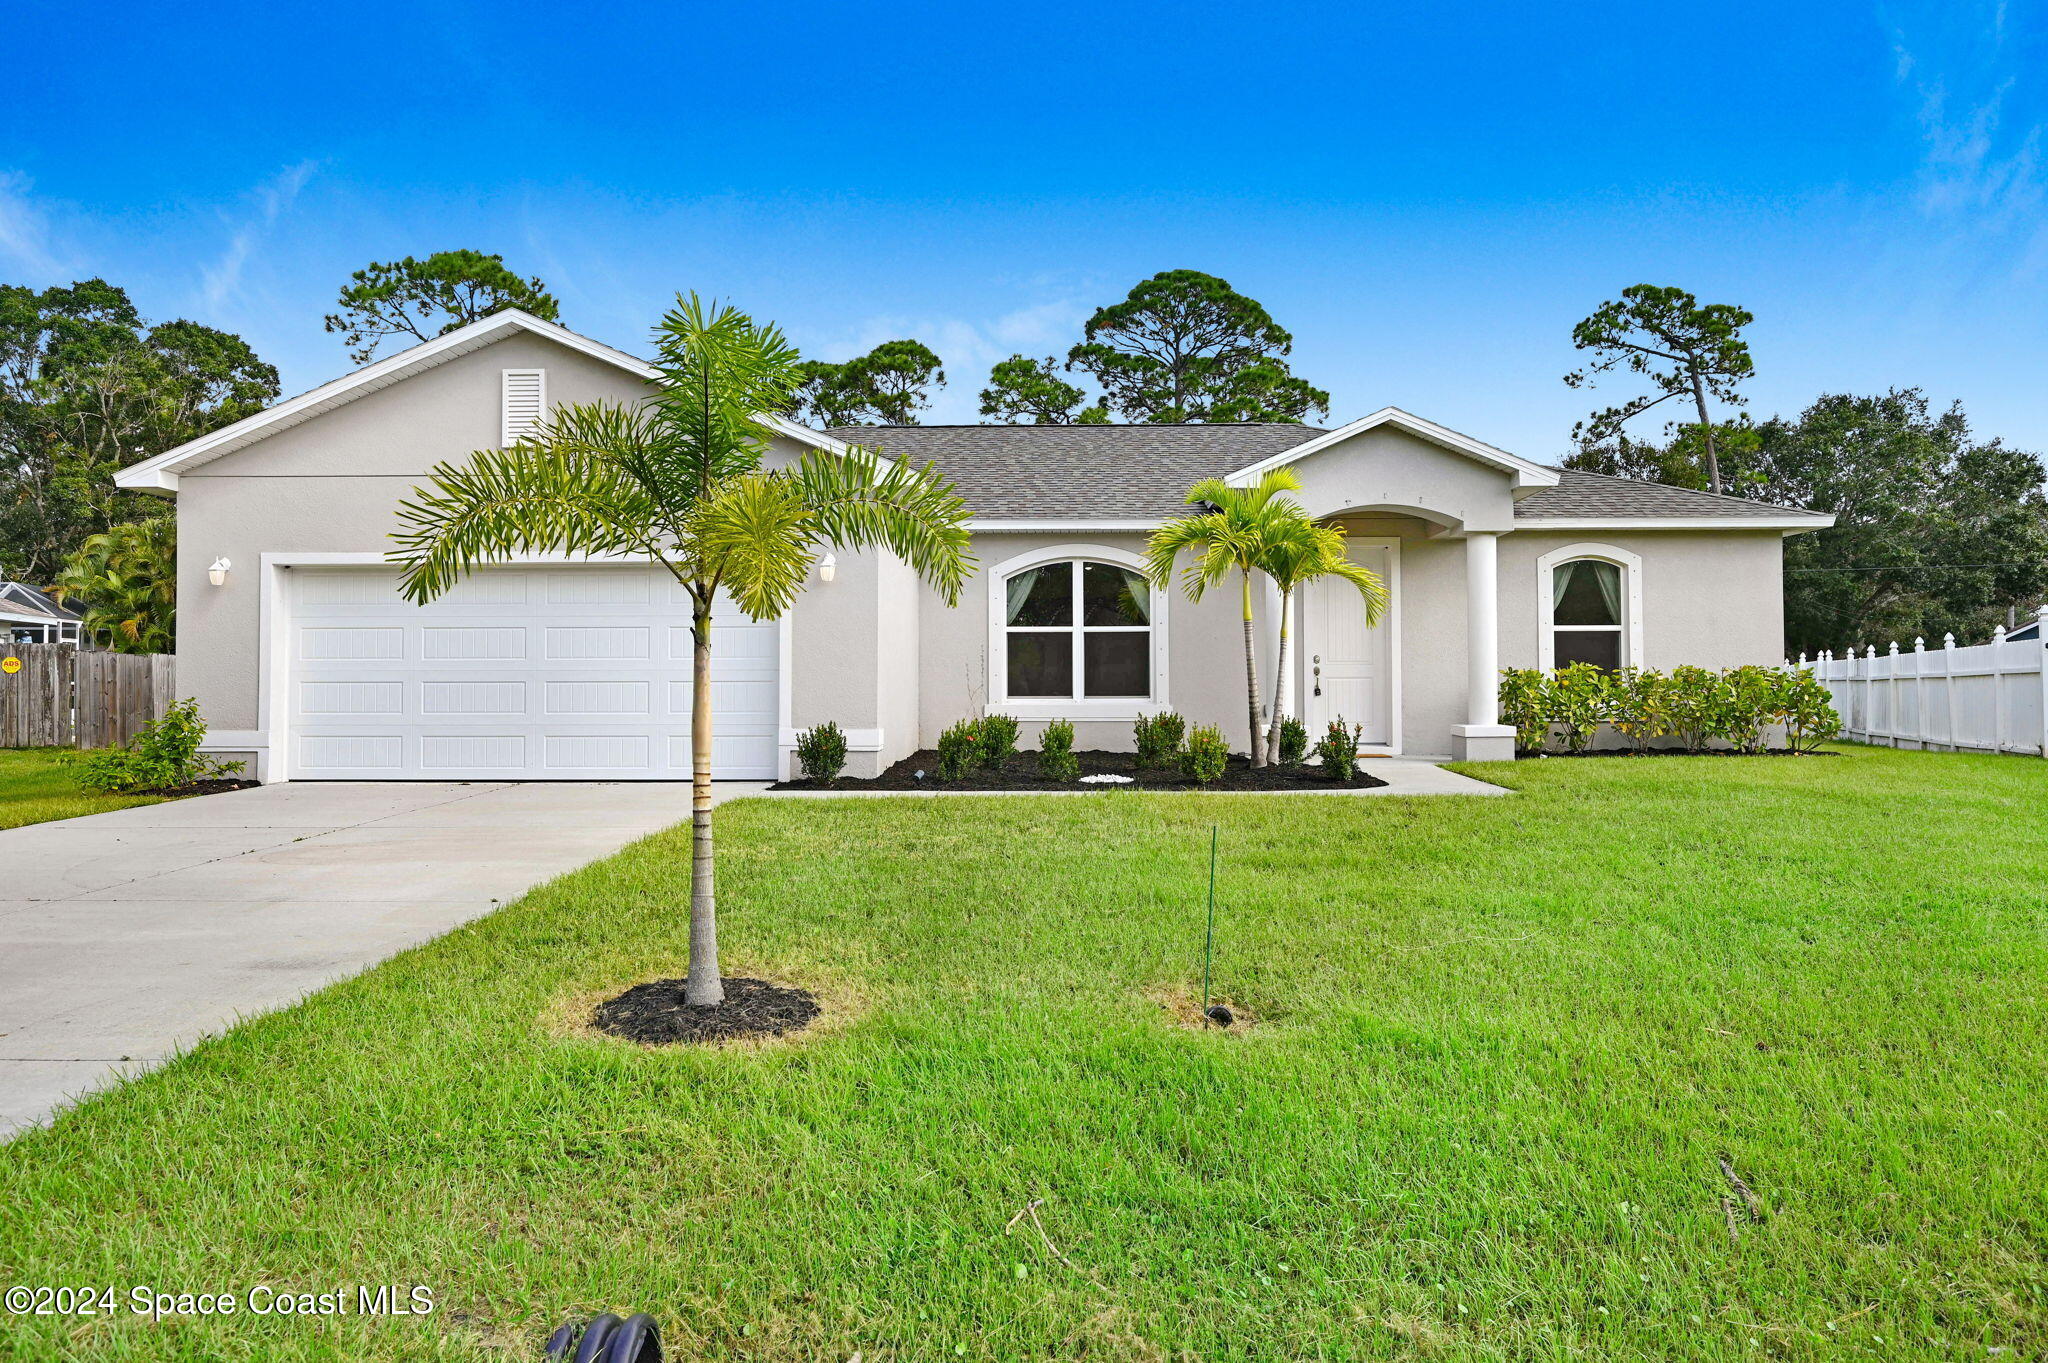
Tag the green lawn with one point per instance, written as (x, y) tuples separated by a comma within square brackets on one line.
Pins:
[(1505, 1042), (40, 784)]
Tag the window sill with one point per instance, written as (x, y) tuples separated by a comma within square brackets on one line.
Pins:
[(1029, 708)]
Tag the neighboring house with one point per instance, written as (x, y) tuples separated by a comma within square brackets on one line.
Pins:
[(305, 660), (28, 616)]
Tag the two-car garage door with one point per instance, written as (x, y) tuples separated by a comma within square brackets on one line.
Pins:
[(559, 672)]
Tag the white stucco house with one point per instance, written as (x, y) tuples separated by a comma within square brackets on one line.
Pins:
[(307, 664)]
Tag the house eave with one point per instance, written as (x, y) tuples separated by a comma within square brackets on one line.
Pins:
[(1524, 473), (1791, 525)]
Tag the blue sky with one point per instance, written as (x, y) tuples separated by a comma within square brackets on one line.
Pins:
[(1427, 196)]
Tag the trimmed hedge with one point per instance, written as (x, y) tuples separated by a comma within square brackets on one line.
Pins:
[(1738, 707)]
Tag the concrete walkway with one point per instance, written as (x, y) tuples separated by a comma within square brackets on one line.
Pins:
[(126, 936)]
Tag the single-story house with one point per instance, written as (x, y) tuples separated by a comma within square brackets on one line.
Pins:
[(307, 664), (29, 616)]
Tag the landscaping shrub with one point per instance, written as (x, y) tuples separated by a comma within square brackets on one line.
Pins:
[(998, 740), (1525, 703), (1157, 738), (821, 752), (1578, 696), (163, 756), (1635, 705), (1206, 755), (1338, 749), (1810, 718), (1692, 704), (959, 750), (1293, 742), (1751, 701), (1056, 752)]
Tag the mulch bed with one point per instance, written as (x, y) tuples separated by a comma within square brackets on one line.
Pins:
[(217, 786), (654, 1013), (1021, 772)]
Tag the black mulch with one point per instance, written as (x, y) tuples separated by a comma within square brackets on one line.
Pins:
[(217, 786), (1021, 772), (654, 1013)]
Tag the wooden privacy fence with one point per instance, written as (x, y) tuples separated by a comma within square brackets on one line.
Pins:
[(1987, 697), (62, 696)]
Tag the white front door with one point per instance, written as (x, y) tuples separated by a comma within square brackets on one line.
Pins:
[(555, 672), (1347, 665)]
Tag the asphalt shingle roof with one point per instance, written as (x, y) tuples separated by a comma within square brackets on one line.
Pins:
[(1144, 472)]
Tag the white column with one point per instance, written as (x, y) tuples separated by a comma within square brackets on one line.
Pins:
[(1482, 737), (1482, 629)]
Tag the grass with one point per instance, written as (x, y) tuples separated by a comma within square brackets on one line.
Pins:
[(40, 784), (1503, 1045)]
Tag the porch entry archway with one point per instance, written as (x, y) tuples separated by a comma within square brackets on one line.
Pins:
[(1345, 668)]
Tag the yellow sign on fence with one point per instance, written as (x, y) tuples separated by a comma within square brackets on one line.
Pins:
[(10, 665)]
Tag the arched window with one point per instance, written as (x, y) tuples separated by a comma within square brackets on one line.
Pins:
[(1589, 604), (1075, 631)]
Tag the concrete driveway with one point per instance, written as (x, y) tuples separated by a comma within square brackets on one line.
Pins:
[(126, 936)]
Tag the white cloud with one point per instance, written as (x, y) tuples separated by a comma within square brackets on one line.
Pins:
[(27, 243), (221, 282), (1980, 167)]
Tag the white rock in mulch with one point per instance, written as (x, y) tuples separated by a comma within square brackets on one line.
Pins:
[(1106, 778)]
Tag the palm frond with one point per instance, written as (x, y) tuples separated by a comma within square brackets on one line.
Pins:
[(755, 534), (522, 500), (720, 369), (862, 500)]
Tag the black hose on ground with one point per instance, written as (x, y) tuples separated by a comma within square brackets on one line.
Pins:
[(636, 1339)]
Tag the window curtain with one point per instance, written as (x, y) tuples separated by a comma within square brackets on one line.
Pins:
[(1140, 592), (1606, 576), (1019, 589)]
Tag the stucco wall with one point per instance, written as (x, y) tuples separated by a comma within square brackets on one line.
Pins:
[(1384, 467)]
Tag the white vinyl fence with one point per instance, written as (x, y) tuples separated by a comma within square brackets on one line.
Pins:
[(1984, 697)]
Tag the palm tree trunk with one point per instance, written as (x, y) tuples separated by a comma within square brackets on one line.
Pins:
[(1280, 679), (1251, 679), (704, 987)]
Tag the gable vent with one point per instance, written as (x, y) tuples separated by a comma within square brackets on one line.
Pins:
[(525, 400)]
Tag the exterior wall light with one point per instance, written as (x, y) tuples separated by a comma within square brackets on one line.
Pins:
[(217, 572), (828, 568)]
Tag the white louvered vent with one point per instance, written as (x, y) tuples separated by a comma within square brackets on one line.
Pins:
[(525, 400)]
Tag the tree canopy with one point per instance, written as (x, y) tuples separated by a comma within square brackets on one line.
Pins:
[(1185, 346), (422, 299), (888, 386), (87, 387), (1682, 348), (1027, 391)]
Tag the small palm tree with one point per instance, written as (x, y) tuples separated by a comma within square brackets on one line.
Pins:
[(1299, 550), (126, 581), (678, 480), (1227, 536)]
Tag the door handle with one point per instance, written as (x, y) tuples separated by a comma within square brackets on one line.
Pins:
[(1318, 661)]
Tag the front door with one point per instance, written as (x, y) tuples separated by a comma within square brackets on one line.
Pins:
[(1347, 665)]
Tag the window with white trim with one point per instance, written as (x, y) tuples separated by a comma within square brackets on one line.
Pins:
[(1589, 613), (1076, 629)]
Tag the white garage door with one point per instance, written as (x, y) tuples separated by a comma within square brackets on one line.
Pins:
[(545, 673)]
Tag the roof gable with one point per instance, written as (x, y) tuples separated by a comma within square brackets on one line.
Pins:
[(1524, 473), (160, 473)]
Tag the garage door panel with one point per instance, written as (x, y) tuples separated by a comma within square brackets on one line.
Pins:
[(555, 673)]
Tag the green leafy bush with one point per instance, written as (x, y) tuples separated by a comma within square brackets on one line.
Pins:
[(1578, 696), (1056, 752), (1338, 749), (959, 750), (1525, 704), (1810, 718), (821, 752), (1635, 705), (998, 740), (1692, 706), (163, 756), (1752, 699), (1157, 739), (1293, 742), (1206, 756)]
